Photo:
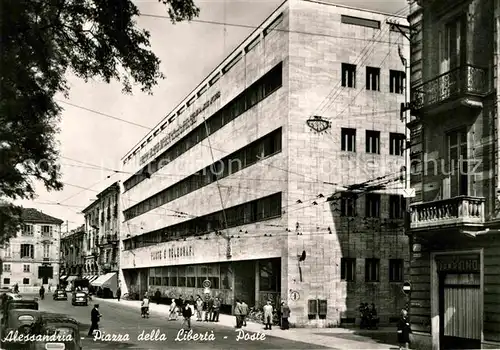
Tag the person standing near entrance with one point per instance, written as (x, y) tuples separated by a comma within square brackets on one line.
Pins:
[(285, 313), (215, 314), (404, 330), (238, 313), (244, 313), (268, 315), (95, 317)]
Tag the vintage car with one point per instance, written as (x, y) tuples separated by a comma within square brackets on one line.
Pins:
[(80, 298), (31, 304), (60, 294), (5, 290), (55, 331), (20, 320)]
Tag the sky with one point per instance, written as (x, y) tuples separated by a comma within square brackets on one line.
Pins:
[(92, 141)]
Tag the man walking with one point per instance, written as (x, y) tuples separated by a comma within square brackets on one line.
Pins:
[(268, 315), (95, 316), (215, 315), (244, 313), (237, 313), (118, 293), (187, 312), (209, 308)]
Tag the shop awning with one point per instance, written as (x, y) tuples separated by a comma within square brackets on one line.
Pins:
[(71, 278), (108, 280), (85, 277), (92, 278)]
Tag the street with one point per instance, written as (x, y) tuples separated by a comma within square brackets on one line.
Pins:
[(122, 328)]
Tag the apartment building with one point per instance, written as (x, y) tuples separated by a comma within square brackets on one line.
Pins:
[(239, 194), (72, 254), (455, 300), (31, 258), (101, 242)]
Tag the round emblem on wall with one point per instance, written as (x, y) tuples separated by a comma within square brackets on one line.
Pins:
[(207, 283), (294, 295)]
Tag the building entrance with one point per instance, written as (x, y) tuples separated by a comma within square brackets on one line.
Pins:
[(459, 309)]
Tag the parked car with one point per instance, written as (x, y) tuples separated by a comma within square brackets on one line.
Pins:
[(65, 330), (5, 290), (13, 296), (31, 304), (20, 320), (60, 294), (80, 298)]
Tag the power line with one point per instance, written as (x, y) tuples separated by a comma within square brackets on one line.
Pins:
[(260, 27)]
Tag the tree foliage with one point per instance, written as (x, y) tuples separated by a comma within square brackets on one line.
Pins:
[(43, 41)]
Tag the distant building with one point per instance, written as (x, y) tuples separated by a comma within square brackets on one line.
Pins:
[(101, 242), (31, 258), (230, 189), (73, 253)]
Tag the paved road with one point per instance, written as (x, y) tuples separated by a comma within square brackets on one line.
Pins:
[(127, 321)]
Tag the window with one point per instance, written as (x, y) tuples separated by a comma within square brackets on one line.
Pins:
[(347, 269), (397, 144), (27, 251), (395, 270), (373, 78), (6, 281), (348, 75), (397, 80), (6, 267), (348, 140), (46, 250), (27, 230), (372, 267), (7, 251), (26, 281), (47, 231), (348, 204), (372, 205), (26, 268), (397, 207), (373, 142), (357, 21), (457, 163), (451, 44)]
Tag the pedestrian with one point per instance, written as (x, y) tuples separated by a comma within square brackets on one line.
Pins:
[(209, 308), (95, 317), (16, 288), (285, 313), (268, 315), (172, 311), (373, 317), (42, 292), (244, 313), (145, 306), (404, 330), (237, 313), (199, 308), (118, 293), (216, 311), (192, 305), (187, 313), (158, 296)]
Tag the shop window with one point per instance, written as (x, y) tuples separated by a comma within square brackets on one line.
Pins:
[(191, 277), (269, 275), (157, 281), (172, 277), (312, 309), (214, 282), (164, 281)]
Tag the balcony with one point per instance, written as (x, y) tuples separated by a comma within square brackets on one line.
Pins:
[(465, 85), (462, 211)]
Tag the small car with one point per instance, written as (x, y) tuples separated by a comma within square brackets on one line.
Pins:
[(80, 298), (5, 290), (60, 294), (20, 320), (61, 331)]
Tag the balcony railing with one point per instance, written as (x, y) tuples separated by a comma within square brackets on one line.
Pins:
[(457, 83), (457, 211)]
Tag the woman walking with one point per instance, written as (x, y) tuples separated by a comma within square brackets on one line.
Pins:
[(404, 330)]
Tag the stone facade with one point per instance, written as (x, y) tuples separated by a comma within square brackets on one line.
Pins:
[(73, 252), (311, 43)]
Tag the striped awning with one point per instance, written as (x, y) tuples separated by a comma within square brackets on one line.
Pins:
[(85, 277), (92, 278)]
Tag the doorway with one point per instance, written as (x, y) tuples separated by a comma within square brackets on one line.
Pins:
[(459, 311)]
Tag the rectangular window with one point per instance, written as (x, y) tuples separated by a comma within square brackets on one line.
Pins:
[(27, 230), (395, 270), (348, 204), (348, 75), (47, 231), (6, 267), (46, 250), (348, 142), (457, 162), (347, 269), (452, 44), (397, 81), (27, 251), (372, 205), (396, 144), (26, 281), (372, 267), (26, 268), (6, 281), (373, 141), (396, 207), (373, 78)]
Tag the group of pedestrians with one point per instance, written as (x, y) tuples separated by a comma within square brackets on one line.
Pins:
[(368, 315), (241, 313)]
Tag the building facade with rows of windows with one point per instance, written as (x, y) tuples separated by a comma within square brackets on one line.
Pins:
[(235, 190), (31, 258)]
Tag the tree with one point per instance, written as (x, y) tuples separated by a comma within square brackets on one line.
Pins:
[(43, 41)]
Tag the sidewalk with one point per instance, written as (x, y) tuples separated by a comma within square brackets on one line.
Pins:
[(340, 338)]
